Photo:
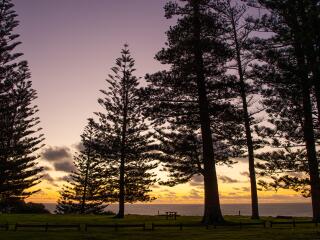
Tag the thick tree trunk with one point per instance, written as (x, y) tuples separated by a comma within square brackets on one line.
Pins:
[(311, 154), (303, 53), (212, 211), (309, 136), (247, 124), (310, 39)]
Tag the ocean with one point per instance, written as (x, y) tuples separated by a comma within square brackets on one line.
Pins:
[(274, 209)]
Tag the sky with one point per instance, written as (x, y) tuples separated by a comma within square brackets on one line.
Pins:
[(70, 46)]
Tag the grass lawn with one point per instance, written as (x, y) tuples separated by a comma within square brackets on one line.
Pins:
[(280, 232)]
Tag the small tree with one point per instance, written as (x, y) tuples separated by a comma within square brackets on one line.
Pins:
[(19, 134), (86, 191), (127, 151)]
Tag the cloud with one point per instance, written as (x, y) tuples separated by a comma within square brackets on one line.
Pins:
[(297, 174), (246, 189), (56, 153), (195, 194), (245, 174), (196, 180), (166, 193), (65, 166), (226, 179), (78, 146), (242, 159), (46, 168), (49, 179), (64, 178), (60, 157), (232, 193)]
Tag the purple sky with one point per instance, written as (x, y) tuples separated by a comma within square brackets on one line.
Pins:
[(72, 44)]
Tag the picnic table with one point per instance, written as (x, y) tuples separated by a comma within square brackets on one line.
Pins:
[(171, 215)]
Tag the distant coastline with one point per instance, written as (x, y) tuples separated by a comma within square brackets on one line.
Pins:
[(266, 209)]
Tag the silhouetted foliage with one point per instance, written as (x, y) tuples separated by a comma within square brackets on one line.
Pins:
[(126, 143), (87, 188), (238, 30), (181, 154), (21, 207), (19, 134), (194, 100), (289, 78)]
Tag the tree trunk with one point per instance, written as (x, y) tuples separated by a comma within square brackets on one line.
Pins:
[(300, 44), (84, 196), (311, 154), (123, 147), (212, 211), (310, 37), (308, 130), (121, 190), (247, 124)]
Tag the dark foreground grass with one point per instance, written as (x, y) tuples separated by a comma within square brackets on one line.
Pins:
[(303, 232)]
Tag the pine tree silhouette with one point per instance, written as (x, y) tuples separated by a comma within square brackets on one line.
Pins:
[(127, 144), (19, 132)]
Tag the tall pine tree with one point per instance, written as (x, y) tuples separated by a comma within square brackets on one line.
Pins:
[(127, 145), (194, 94), (19, 135), (288, 41), (237, 33)]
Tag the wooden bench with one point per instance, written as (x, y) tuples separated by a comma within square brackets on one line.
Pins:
[(47, 226), (115, 226), (171, 215), (4, 226)]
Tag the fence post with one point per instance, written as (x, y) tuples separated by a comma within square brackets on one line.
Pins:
[(180, 226), (46, 227), (152, 227), (294, 223)]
